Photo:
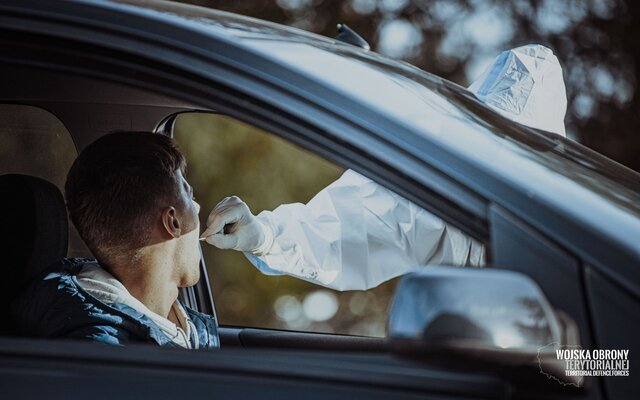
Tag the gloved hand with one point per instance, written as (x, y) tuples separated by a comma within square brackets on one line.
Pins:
[(231, 225)]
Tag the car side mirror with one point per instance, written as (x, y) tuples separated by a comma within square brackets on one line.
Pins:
[(495, 316)]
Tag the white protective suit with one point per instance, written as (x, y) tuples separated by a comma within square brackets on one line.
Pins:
[(356, 234)]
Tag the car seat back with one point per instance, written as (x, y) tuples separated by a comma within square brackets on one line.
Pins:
[(36, 234)]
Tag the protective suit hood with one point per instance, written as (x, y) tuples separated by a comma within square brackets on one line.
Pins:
[(525, 84)]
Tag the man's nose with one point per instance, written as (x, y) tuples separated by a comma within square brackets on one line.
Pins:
[(197, 207)]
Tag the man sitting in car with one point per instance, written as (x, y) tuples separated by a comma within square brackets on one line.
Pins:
[(128, 197)]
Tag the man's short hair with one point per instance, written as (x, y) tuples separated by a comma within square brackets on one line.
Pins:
[(116, 188)]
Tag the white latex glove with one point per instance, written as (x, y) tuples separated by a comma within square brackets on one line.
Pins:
[(231, 225)]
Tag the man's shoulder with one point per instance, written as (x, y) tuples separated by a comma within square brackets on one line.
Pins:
[(53, 279), (59, 269), (52, 305)]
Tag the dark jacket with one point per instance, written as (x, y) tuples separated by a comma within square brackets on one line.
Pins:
[(55, 306)]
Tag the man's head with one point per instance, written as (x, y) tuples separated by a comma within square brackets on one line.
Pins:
[(128, 198)]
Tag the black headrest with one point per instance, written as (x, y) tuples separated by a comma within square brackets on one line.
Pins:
[(37, 231)]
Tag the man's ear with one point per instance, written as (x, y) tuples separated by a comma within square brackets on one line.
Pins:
[(171, 222)]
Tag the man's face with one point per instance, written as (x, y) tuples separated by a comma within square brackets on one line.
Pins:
[(188, 252)]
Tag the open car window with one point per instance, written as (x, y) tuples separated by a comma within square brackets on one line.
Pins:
[(227, 157)]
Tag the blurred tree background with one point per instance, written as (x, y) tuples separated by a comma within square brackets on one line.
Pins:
[(596, 41)]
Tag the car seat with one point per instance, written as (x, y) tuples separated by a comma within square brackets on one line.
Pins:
[(35, 236)]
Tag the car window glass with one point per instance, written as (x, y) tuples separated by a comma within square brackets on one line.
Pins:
[(227, 157), (34, 142)]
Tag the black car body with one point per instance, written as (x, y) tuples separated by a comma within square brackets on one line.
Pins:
[(546, 206)]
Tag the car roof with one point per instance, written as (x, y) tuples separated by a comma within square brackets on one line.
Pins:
[(537, 175)]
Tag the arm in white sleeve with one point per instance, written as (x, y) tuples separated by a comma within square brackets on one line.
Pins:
[(356, 234)]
